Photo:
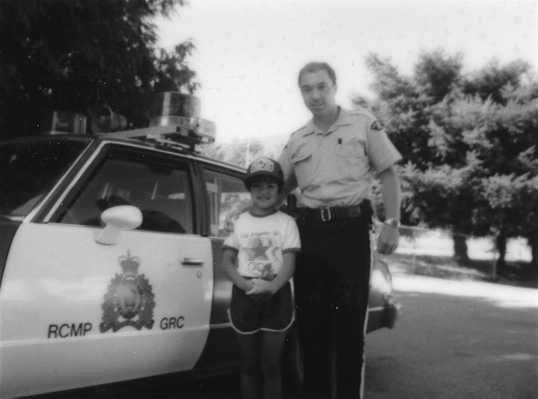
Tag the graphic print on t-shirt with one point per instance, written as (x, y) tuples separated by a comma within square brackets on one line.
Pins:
[(259, 251)]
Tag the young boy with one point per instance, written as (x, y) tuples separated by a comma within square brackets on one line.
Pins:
[(264, 243)]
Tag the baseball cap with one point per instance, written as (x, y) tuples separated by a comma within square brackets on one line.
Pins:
[(264, 167)]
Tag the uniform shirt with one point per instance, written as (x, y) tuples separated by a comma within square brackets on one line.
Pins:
[(335, 168), (260, 242)]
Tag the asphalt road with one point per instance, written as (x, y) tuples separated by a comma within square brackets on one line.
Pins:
[(454, 340)]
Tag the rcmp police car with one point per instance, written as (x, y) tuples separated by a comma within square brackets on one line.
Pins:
[(110, 250)]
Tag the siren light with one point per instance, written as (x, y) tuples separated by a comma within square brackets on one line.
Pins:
[(183, 110), (65, 122), (175, 121), (105, 120)]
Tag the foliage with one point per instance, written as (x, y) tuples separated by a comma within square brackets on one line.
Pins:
[(469, 142), (78, 55), (238, 152)]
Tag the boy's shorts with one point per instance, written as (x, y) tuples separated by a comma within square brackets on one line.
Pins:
[(248, 316)]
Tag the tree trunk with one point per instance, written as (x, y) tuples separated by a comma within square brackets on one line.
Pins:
[(533, 242), (501, 248), (460, 247)]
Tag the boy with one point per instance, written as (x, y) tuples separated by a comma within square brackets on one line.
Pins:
[(264, 243)]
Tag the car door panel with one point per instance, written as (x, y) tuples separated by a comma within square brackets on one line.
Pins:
[(134, 309), (77, 313), (223, 190)]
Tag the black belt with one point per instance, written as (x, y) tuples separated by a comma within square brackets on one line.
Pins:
[(326, 213)]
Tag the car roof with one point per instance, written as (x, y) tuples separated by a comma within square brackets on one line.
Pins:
[(138, 142)]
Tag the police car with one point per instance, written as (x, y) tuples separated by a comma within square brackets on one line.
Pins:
[(110, 252)]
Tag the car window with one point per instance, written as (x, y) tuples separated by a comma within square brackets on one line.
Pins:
[(29, 169), (161, 190), (224, 193)]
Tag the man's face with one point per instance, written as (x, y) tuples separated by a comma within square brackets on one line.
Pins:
[(318, 92)]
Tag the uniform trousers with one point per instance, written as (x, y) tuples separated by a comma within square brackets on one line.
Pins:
[(331, 291)]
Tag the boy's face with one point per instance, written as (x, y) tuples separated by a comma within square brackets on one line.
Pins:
[(264, 194)]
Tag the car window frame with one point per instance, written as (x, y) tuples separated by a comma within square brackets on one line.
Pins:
[(223, 169), (41, 207), (134, 151)]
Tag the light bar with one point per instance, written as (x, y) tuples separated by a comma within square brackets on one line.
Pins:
[(175, 121), (172, 103), (105, 120), (65, 122), (202, 130), (207, 130)]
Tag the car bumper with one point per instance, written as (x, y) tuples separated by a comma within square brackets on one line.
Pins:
[(384, 316)]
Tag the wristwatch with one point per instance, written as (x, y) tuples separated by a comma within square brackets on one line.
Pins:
[(392, 222)]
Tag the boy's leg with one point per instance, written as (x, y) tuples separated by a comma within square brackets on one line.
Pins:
[(272, 344), (250, 368)]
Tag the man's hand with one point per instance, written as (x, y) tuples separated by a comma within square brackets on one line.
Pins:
[(387, 242)]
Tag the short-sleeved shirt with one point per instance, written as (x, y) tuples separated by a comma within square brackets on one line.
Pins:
[(335, 168), (261, 241)]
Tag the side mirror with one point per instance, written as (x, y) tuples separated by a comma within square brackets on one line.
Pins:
[(118, 218)]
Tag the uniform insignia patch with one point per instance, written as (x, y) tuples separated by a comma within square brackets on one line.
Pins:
[(376, 126), (129, 300)]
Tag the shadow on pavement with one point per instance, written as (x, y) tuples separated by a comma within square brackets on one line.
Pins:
[(456, 339)]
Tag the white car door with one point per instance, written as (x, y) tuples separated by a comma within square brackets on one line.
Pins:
[(78, 313)]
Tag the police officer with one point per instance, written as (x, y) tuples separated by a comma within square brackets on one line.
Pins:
[(331, 161)]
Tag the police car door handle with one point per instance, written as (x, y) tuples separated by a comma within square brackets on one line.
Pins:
[(192, 262)]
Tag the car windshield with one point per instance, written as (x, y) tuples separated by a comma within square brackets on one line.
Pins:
[(29, 168)]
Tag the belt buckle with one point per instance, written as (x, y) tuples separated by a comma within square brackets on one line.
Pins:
[(325, 213)]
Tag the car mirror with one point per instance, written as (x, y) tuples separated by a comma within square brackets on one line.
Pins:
[(118, 218)]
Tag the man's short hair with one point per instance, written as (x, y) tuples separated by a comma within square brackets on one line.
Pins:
[(315, 66)]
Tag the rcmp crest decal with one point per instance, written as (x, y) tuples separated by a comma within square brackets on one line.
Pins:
[(129, 300)]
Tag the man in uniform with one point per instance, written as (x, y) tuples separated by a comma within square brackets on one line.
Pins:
[(331, 160)]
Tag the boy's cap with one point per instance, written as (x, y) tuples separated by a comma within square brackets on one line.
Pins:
[(265, 167)]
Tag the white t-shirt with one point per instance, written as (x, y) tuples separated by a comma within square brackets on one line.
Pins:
[(260, 242)]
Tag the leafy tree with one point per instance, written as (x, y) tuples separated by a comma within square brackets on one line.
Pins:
[(78, 55), (238, 152), (469, 144)]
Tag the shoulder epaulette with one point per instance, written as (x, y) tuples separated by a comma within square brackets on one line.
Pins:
[(362, 112), (298, 130), (375, 124)]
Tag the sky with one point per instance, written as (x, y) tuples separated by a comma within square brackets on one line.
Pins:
[(248, 52)]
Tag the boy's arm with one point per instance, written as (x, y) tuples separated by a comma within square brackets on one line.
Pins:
[(263, 290), (230, 270)]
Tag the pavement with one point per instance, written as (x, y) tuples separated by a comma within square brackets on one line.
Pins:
[(456, 338)]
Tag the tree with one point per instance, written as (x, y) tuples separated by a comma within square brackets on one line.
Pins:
[(238, 152), (78, 55), (469, 143)]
